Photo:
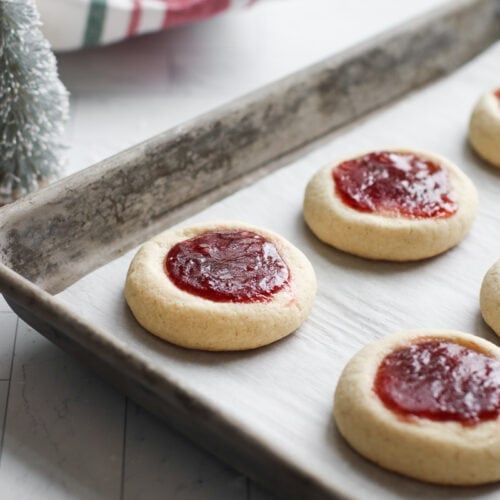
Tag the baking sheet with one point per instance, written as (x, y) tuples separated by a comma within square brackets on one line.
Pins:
[(283, 393)]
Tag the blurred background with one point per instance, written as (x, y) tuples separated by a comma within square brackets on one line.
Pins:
[(123, 93)]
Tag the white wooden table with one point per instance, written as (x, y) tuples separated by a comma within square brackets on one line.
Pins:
[(64, 433)]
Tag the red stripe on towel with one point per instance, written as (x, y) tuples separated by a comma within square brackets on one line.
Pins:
[(184, 11), (135, 17)]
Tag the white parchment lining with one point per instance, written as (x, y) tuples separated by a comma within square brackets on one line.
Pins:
[(283, 393)]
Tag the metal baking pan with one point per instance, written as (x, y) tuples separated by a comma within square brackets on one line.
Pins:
[(55, 240)]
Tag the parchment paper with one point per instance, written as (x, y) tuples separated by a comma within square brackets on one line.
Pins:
[(283, 393)]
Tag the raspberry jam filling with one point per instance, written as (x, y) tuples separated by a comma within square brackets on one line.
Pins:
[(440, 380), (497, 94), (228, 266), (395, 184)]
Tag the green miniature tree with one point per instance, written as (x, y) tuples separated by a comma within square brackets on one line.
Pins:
[(33, 103)]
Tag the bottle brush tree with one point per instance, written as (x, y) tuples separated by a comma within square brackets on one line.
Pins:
[(33, 103)]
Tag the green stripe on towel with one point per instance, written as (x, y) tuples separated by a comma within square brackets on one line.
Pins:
[(95, 22)]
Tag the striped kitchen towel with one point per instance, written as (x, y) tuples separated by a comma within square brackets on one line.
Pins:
[(72, 24)]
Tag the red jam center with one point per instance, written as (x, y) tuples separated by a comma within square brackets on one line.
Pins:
[(228, 266), (497, 94), (440, 380), (395, 184)]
